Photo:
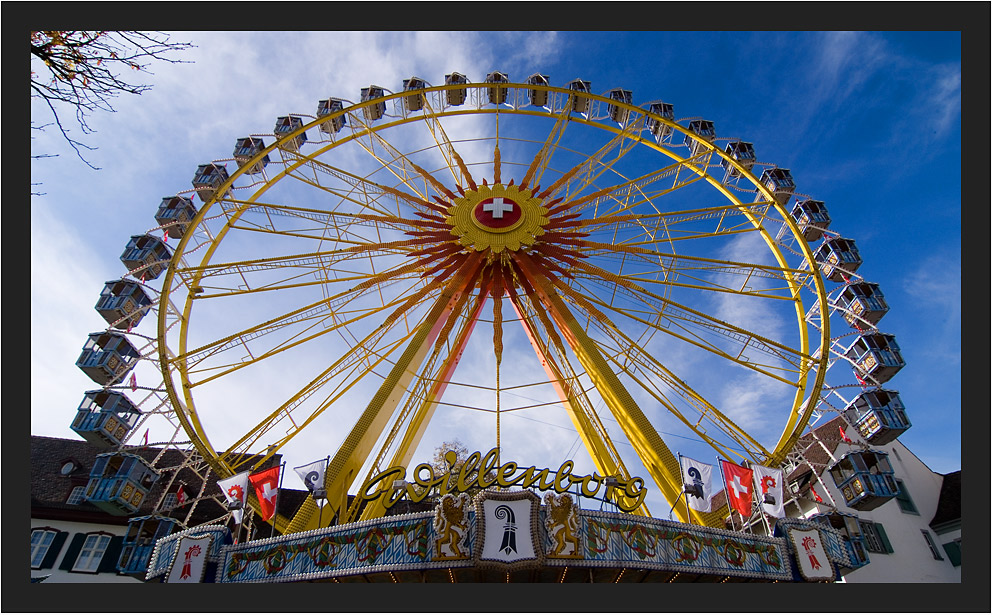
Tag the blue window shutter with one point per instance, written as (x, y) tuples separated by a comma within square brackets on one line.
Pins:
[(72, 552), (53, 550)]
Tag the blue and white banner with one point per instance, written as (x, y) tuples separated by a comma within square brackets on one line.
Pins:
[(312, 474), (696, 476)]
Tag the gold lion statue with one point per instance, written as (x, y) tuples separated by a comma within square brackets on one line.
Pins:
[(562, 523), (450, 525)]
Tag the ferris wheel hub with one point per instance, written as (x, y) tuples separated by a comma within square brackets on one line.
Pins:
[(497, 217)]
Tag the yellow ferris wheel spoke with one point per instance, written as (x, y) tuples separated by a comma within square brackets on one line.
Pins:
[(661, 464), (360, 360), (673, 310), (321, 309), (572, 395), (582, 176), (536, 171), (357, 189), (392, 159), (445, 145), (422, 401), (648, 372), (351, 456)]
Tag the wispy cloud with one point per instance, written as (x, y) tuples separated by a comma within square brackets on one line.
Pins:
[(936, 288)]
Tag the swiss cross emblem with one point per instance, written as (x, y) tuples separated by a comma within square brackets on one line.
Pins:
[(497, 212)]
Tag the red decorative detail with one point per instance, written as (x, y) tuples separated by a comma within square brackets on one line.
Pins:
[(497, 212), (767, 483), (236, 492), (187, 563), (808, 546)]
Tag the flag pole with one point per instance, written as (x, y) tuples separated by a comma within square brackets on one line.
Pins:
[(689, 519), (320, 509), (727, 496)]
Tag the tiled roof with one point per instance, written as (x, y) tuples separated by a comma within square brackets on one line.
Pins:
[(830, 435), (50, 489)]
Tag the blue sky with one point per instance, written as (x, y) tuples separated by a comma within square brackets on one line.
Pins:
[(867, 122)]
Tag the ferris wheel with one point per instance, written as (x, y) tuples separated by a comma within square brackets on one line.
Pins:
[(623, 267)]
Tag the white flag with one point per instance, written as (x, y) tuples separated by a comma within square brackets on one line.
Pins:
[(769, 486), (312, 474), (235, 489), (696, 477)]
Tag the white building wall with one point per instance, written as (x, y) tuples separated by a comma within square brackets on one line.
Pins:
[(73, 527), (911, 560)]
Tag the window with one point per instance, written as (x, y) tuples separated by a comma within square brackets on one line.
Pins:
[(903, 499), (875, 537), (169, 501), (76, 495), (930, 545), (41, 540), (92, 552)]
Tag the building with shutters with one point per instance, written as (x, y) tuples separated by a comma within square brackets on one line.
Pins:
[(911, 537), (74, 541)]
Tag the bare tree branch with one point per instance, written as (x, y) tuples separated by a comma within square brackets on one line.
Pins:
[(82, 70)]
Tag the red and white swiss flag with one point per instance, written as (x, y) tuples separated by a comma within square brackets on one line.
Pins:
[(738, 485), (266, 485)]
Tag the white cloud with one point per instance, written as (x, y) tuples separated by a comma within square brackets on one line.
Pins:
[(936, 288)]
